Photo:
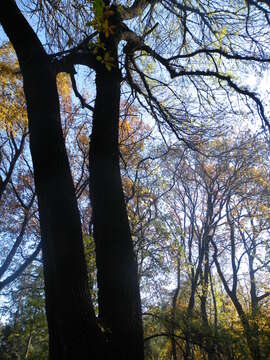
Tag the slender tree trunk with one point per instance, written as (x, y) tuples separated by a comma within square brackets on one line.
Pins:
[(208, 342), (119, 298), (73, 331), (216, 345), (194, 285), (254, 301), (29, 340), (205, 284), (248, 329), (174, 306)]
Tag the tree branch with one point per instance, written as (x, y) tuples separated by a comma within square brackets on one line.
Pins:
[(136, 9), (21, 269), (77, 93)]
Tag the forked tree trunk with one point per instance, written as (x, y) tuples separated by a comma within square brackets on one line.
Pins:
[(73, 330)]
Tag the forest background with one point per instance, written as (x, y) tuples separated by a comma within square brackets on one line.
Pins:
[(194, 164)]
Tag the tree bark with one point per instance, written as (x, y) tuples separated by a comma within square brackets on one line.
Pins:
[(119, 297), (71, 319)]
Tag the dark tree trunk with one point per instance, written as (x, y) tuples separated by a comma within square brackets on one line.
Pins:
[(73, 331), (205, 285), (191, 303), (119, 298)]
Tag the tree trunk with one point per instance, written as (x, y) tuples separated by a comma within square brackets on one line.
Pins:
[(71, 318), (174, 308), (248, 329), (119, 298)]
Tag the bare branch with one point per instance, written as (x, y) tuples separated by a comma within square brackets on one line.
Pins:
[(21, 269), (135, 10)]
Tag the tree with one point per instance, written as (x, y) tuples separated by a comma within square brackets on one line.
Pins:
[(230, 175), (26, 315), (99, 27), (247, 222)]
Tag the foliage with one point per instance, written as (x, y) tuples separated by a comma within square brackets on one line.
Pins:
[(25, 334), (12, 106)]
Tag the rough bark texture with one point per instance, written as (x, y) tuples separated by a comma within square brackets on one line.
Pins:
[(71, 319), (119, 298)]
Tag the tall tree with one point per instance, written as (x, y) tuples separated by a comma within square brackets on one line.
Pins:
[(208, 38), (59, 217)]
